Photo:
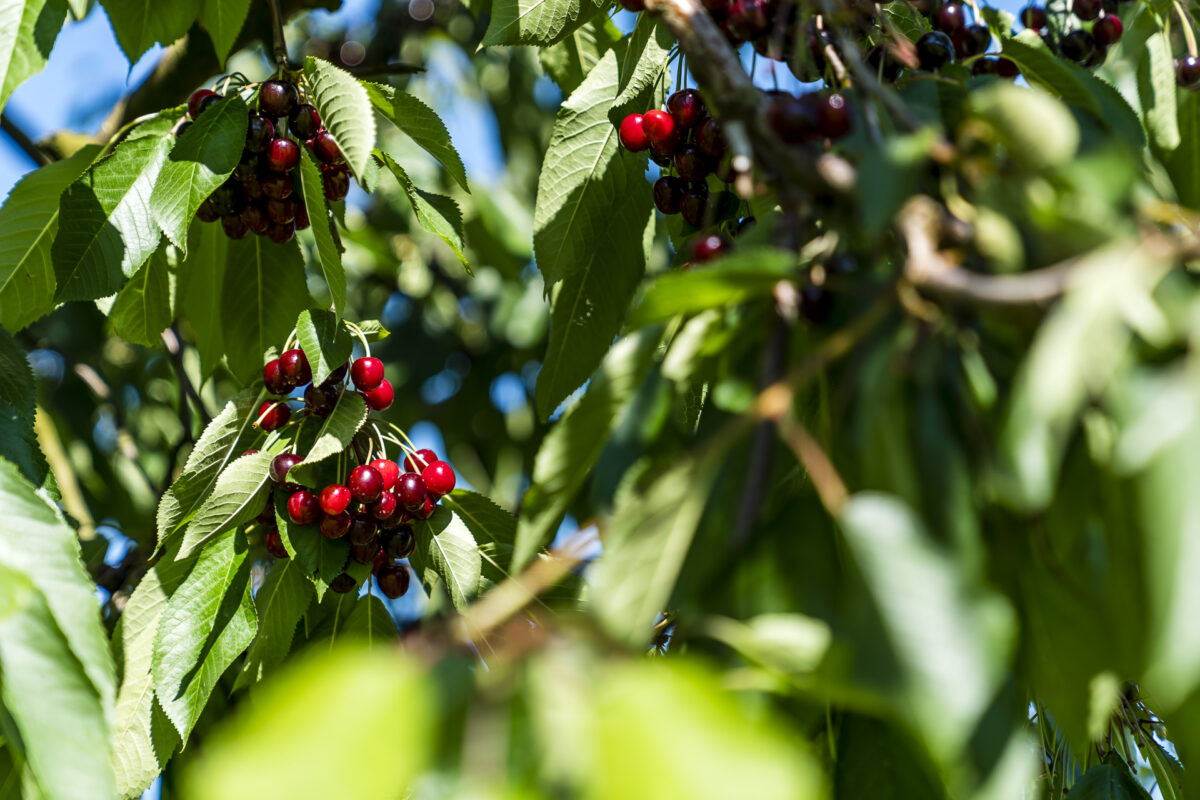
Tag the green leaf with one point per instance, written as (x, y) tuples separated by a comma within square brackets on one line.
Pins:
[(238, 496), (571, 449), (336, 432), (1075, 85), (259, 309), (1167, 769), (17, 388), (1156, 90), (447, 555), (592, 201), (1111, 780), (422, 124), (202, 158), (570, 60), (539, 22), (907, 20), (1182, 164), (281, 601), (493, 528), (138, 26), (224, 439), (29, 219), (386, 720), (143, 306), (875, 760), (645, 545), (325, 342), (111, 232), (28, 29), (208, 622), (373, 330), (62, 723), (950, 639), (36, 542), (792, 644), (223, 19), (345, 110), (736, 278), (201, 275), (329, 251), (370, 618), (645, 59), (437, 214)]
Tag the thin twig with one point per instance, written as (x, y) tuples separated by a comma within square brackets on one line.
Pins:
[(280, 50), (64, 473), (395, 68), (170, 338), (22, 140), (831, 489)]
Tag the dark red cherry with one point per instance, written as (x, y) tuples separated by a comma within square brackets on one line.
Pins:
[(380, 399), (636, 6), (1187, 71), (182, 127), (255, 219), (281, 233), (367, 373), (336, 185), (335, 499), (283, 211), (748, 19), (835, 117), (273, 415), (207, 213), (277, 186), (439, 478), (320, 400), (366, 553), (393, 580), (710, 139), (692, 164), (662, 150), (410, 490), (668, 193), (303, 507), (708, 247), (282, 154), (972, 40), (951, 19), (363, 530), (934, 51), (277, 98), (1086, 10), (259, 133), (427, 508), (687, 107), (418, 461), (1034, 17), (294, 366), (366, 484), (1108, 30), (343, 583), (633, 134), (200, 100), (234, 227), (301, 212), (792, 119), (304, 121), (326, 150), (274, 543), (694, 205), (384, 507), (281, 464), (335, 526), (274, 379), (1078, 46), (401, 542)]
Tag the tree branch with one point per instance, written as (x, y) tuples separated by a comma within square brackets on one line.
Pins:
[(280, 44), (379, 70), (22, 140), (170, 338)]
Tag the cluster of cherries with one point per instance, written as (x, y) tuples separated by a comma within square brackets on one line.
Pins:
[(291, 371), (769, 25), (372, 509), (1086, 48), (263, 194), (954, 37)]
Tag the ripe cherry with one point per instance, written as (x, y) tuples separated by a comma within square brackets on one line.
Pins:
[(972, 41), (207, 213), (281, 464), (835, 117), (336, 184), (692, 164), (366, 484), (301, 222), (439, 478), (694, 206), (259, 133), (410, 490), (1078, 46), (282, 154), (380, 399), (748, 19), (303, 507), (1007, 68), (792, 119), (339, 374), (367, 373), (636, 6), (281, 233), (1034, 17), (710, 139), (687, 107), (1086, 9), (363, 530), (401, 542), (393, 581), (274, 543), (1187, 72), (182, 127), (951, 19), (633, 134), (934, 51), (277, 186), (427, 508), (255, 219), (418, 461), (1108, 30), (277, 98), (658, 125), (294, 366), (320, 400), (274, 379), (335, 526), (668, 192), (227, 198), (343, 583), (326, 150), (283, 211), (335, 499), (708, 247), (272, 418), (267, 515), (389, 470), (384, 507), (200, 100), (365, 553), (662, 150), (305, 122)]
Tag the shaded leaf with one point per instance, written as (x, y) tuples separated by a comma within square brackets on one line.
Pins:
[(570, 60), (422, 124), (329, 251), (138, 28), (437, 214), (280, 602), (336, 432), (237, 497), (345, 110), (447, 555), (17, 388), (325, 341), (143, 306), (223, 19), (201, 276)]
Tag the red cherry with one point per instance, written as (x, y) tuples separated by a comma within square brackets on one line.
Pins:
[(282, 154), (389, 469), (658, 125), (427, 508), (248, 452), (363, 530), (380, 399), (277, 186), (294, 366), (335, 526), (410, 490), (281, 233), (365, 553), (320, 400), (343, 583), (255, 219), (282, 212), (274, 543), (367, 373), (439, 478), (636, 6), (633, 135), (274, 418), (393, 581), (834, 116), (276, 382), (277, 98), (1107, 30), (305, 121), (382, 561), (668, 193), (366, 484), (303, 507), (326, 150), (301, 221), (200, 100), (687, 107), (401, 542), (706, 248), (336, 184), (384, 507), (335, 499), (710, 139), (418, 461), (281, 464), (259, 133)]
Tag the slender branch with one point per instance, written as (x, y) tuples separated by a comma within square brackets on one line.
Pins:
[(170, 338), (22, 140), (831, 489), (281, 52), (64, 473), (374, 70)]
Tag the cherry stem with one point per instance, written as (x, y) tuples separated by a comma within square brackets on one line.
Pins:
[(362, 337), (281, 53), (1185, 22)]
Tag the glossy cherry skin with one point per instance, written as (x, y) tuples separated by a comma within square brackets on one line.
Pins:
[(663, 149), (336, 185), (259, 133), (1108, 30), (275, 418), (694, 205), (1034, 17), (325, 148), (366, 553), (274, 543), (367, 373), (418, 461), (274, 379), (1078, 46), (393, 581), (389, 470), (200, 100), (255, 219), (1187, 71), (343, 583), (1086, 9), (687, 107), (384, 507), (277, 98), (282, 154), (934, 51), (439, 478), (277, 186), (294, 366), (335, 499), (951, 19), (339, 374), (706, 248), (710, 139), (281, 233), (366, 484), (835, 117), (304, 121), (410, 490), (281, 464), (380, 399), (658, 125), (335, 526), (363, 530), (972, 41), (633, 134), (303, 507), (320, 400), (401, 542), (427, 508), (282, 212), (668, 193), (691, 164)]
